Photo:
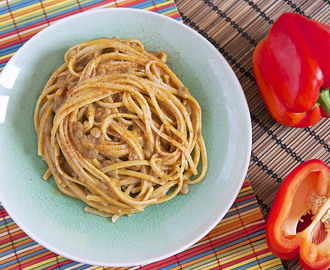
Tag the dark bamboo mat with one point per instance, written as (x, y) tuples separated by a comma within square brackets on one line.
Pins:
[(235, 28)]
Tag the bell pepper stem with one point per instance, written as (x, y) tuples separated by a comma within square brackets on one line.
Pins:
[(324, 100)]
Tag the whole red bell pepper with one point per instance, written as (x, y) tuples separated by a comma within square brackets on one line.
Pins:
[(292, 70), (299, 220)]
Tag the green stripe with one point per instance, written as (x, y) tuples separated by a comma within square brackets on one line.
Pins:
[(58, 260), (52, 10), (15, 241), (7, 25), (10, 3), (245, 193), (200, 263), (7, 225), (22, 239)]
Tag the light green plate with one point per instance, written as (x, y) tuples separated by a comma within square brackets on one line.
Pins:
[(59, 222)]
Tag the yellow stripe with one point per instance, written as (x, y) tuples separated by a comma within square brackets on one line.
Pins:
[(38, 11), (243, 254), (272, 263), (159, 5), (61, 3), (19, 10), (240, 264), (7, 55), (268, 264), (212, 266), (40, 263)]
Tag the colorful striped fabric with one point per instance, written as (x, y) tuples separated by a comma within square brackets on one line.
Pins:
[(20, 20), (237, 242)]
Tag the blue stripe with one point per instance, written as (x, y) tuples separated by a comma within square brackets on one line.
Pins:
[(245, 201), (20, 26), (5, 221), (21, 4), (205, 253), (10, 49), (43, 250), (18, 248), (68, 265), (7, 31), (247, 208), (242, 239), (256, 262), (163, 10), (143, 5), (90, 3), (62, 12), (169, 266), (4, 10), (242, 267)]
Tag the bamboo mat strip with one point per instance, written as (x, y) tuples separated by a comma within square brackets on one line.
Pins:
[(235, 28)]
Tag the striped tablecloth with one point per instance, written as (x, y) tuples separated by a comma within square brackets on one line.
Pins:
[(237, 242), (234, 28)]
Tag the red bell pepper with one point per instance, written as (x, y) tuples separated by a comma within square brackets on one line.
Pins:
[(304, 195), (292, 70)]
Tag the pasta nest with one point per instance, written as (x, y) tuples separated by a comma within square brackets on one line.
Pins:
[(118, 129)]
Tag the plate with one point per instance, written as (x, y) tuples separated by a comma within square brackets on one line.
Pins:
[(58, 222)]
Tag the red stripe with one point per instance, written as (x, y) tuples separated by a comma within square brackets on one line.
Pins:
[(39, 260), (3, 213), (4, 60), (12, 238), (254, 255), (237, 235), (194, 251), (13, 19), (59, 264), (162, 263), (245, 184), (160, 7), (96, 5), (131, 3), (22, 40), (64, 15), (24, 28), (244, 198), (214, 252), (175, 16)]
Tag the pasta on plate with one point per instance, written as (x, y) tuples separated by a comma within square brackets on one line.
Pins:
[(118, 129)]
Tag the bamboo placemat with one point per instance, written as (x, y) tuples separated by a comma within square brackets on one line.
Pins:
[(235, 28)]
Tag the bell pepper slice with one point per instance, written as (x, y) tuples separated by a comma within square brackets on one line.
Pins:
[(292, 70), (305, 192)]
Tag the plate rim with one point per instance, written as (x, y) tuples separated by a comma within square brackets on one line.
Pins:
[(243, 174)]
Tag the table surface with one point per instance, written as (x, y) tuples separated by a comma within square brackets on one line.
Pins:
[(234, 28)]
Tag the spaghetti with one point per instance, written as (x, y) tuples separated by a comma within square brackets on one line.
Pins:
[(118, 129)]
